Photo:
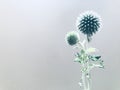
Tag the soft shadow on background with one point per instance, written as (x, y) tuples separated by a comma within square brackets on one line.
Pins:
[(34, 54)]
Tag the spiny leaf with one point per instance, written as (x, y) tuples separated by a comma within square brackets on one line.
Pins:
[(91, 50)]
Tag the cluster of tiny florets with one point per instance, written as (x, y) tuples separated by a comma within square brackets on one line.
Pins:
[(88, 23), (72, 38)]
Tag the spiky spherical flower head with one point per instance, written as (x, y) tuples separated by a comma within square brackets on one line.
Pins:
[(72, 38), (89, 23)]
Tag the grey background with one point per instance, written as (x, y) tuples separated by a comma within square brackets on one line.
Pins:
[(34, 54)]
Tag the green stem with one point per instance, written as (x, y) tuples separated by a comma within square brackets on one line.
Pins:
[(86, 78), (84, 81), (88, 81)]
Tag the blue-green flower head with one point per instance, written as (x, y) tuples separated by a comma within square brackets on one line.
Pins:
[(72, 38), (89, 23)]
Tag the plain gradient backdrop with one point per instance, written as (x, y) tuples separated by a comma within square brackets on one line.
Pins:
[(33, 51)]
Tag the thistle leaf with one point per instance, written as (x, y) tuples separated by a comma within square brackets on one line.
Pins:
[(77, 60), (95, 57), (91, 50)]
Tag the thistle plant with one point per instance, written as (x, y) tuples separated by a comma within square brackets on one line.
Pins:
[(88, 23)]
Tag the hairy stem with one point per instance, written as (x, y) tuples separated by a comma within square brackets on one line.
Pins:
[(84, 81), (86, 78), (88, 81)]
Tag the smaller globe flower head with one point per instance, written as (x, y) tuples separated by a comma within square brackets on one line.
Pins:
[(72, 38), (89, 23)]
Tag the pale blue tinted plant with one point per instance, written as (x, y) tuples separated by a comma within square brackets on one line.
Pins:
[(88, 24)]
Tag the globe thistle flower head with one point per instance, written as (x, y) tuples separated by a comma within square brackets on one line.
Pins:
[(72, 38), (89, 23)]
